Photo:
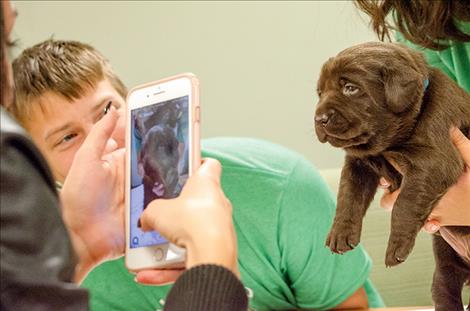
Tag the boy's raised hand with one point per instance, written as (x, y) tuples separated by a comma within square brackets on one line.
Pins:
[(93, 197)]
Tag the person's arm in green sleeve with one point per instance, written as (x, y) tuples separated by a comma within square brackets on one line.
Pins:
[(318, 278)]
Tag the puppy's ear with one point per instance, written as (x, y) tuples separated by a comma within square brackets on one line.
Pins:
[(403, 86), (404, 73)]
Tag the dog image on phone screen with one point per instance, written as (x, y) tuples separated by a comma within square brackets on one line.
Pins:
[(159, 159), (383, 104), (160, 152)]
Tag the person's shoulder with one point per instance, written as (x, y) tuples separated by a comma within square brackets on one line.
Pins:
[(16, 145), (9, 126), (254, 154)]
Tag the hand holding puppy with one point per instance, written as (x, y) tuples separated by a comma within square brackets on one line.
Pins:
[(200, 220), (454, 207)]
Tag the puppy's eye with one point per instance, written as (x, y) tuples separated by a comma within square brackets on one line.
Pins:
[(350, 89), (318, 93)]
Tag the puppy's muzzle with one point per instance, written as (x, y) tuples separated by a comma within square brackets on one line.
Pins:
[(325, 117), (330, 123)]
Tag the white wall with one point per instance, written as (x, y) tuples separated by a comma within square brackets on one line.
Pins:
[(257, 62)]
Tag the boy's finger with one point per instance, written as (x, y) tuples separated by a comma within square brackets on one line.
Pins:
[(111, 145), (462, 144), (96, 141)]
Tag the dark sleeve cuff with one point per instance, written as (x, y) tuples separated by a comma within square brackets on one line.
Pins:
[(207, 287)]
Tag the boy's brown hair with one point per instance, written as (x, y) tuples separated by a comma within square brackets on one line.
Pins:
[(65, 68)]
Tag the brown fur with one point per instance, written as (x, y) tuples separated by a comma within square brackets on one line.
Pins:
[(374, 104)]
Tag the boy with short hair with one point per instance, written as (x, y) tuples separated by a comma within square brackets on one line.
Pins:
[(62, 89), (282, 209)]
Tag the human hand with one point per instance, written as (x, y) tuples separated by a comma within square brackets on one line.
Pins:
[(454, 206), (93, 197), (200, 220)]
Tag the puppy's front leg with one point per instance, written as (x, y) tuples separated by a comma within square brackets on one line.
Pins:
[(421, 190), (357, 187)]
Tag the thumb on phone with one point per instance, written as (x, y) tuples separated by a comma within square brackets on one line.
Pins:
[(210, 168)]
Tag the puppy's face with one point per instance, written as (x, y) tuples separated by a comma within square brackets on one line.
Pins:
[(370, 97), (159, 158)]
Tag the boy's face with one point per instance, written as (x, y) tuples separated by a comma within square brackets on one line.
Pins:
[(59, 127)]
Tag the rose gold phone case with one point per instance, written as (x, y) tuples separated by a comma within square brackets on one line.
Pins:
[(195, 146)]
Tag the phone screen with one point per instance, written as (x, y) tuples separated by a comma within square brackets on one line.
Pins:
[(159, 160)]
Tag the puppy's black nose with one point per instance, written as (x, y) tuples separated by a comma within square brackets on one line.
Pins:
[(324, 117)]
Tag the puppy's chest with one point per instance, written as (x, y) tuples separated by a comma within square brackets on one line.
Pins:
[(388, 160)]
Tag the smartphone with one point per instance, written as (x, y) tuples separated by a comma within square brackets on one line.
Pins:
[(162, 151)]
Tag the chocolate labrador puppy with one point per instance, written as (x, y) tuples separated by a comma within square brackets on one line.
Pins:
[(383, 104)]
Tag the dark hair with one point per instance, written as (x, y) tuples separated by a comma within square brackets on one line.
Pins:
[(430, 24)]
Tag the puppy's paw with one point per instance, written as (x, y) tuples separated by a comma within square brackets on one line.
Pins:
[(342, 238), (398, 250)]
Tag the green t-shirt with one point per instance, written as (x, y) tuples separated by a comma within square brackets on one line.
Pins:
[(453, 61), (282, 212)]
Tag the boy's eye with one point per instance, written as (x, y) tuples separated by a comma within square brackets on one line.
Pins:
[(67, 138)]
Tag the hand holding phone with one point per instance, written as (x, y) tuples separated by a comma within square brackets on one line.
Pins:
[(200, 220), (162, 147), (94, 218)]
